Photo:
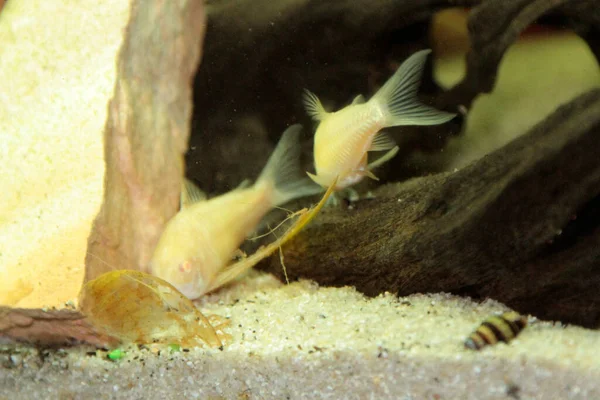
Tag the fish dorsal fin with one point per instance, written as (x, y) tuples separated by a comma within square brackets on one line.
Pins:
[(283, 171), (382, 141), (190, 194), (313, 106), (358, 99)]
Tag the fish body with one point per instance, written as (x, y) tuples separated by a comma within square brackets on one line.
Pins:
[(344, 138), (498, 328), (200, 240)]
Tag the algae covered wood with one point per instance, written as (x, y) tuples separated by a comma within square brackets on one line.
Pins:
[(146, 133)]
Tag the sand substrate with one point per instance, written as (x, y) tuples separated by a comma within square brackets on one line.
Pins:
[(304, 342)]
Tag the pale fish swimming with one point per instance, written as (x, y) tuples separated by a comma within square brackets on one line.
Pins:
[(200, 240), (343, 138)]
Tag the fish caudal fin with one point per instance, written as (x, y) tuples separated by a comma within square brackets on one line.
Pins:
[(398, 96), (283, 170)]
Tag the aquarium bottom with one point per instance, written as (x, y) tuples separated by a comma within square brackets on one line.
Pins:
[(300, 341)]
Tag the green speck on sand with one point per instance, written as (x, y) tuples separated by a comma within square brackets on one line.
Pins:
[(174, 347), (115, 355)]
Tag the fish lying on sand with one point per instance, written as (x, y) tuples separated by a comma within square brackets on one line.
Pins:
[(200, 240)]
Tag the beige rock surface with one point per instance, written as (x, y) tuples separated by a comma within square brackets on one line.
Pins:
[(57, 68)]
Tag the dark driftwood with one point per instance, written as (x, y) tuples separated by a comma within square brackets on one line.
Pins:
[(49, 328), (492, 229), (146, 133), (495, 25), (250, 88)]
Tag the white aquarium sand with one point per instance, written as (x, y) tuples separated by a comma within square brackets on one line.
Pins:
[(305, 342)]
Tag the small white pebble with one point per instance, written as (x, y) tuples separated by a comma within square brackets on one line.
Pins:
[(16, 359)]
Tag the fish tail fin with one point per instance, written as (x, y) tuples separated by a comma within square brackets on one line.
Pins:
[(398, 96), (283, 170)]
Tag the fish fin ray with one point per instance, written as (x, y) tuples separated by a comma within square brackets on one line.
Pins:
[(360, 99), (283, 170), (370, 174), (190, 194), (384, 158), (245, 184), (398, 96), (382, 141), (313, 106)]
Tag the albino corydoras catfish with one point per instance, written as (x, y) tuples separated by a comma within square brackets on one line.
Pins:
[(344, 137), (200, 240)]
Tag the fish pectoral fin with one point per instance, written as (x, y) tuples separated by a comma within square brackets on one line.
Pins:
[(315, 178), (384, 158), (313, 106), (382, 141), (190, 194), (370, 175), (358, 99)]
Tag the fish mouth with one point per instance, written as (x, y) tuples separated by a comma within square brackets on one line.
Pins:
[(190, 290)]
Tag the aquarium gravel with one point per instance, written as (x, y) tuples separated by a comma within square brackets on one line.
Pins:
[(301, 341)]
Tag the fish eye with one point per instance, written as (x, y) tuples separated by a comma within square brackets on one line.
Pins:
[(185, 267)]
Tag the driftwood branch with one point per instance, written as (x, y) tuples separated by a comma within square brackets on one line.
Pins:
[(494, 26), (584, 18), (146, 133), (502, 227), (49, 328)]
